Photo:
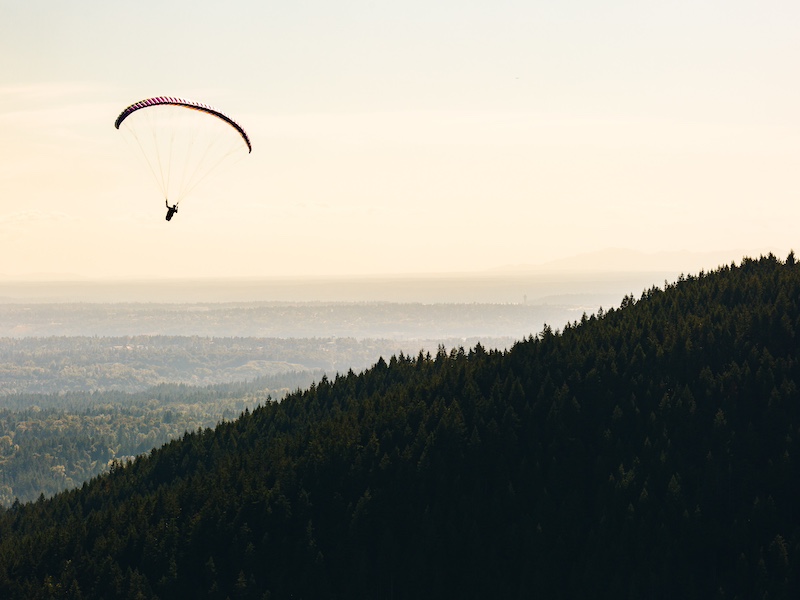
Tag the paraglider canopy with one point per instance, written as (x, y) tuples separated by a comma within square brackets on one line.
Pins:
[(182, 141)]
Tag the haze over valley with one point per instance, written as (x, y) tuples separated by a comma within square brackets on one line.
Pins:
[(93, 364)]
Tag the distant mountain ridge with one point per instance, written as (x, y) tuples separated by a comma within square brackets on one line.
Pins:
[(623, 260), (646, 451)]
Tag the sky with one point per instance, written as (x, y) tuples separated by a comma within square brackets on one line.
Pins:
[(398, 137)]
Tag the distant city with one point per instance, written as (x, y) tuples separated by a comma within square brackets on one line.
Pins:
[(502, 286)]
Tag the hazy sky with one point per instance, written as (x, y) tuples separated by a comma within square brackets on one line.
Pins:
[(402, 136)]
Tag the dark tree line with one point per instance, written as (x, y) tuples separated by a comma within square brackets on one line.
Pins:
[(647, 451), (54, 442)]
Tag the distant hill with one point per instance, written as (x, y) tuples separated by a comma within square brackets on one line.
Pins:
[(626, 260), (649, 451)]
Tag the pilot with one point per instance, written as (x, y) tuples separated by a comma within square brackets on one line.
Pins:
[(171, 210)]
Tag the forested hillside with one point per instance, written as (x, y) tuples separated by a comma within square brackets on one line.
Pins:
[(53, 442), (648, 451)]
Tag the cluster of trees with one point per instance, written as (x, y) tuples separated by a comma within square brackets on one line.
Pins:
[(131, 363), (649, 451), (53, 442)]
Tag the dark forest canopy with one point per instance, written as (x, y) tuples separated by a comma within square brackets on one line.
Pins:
[(647, 451), (53, 442)]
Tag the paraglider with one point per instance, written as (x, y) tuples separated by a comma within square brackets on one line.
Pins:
[(182, 142)]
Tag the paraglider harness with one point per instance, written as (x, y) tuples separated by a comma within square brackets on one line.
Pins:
[(171, 210)]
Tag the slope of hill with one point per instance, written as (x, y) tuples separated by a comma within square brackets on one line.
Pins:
[(54, 442), (646, 452)]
